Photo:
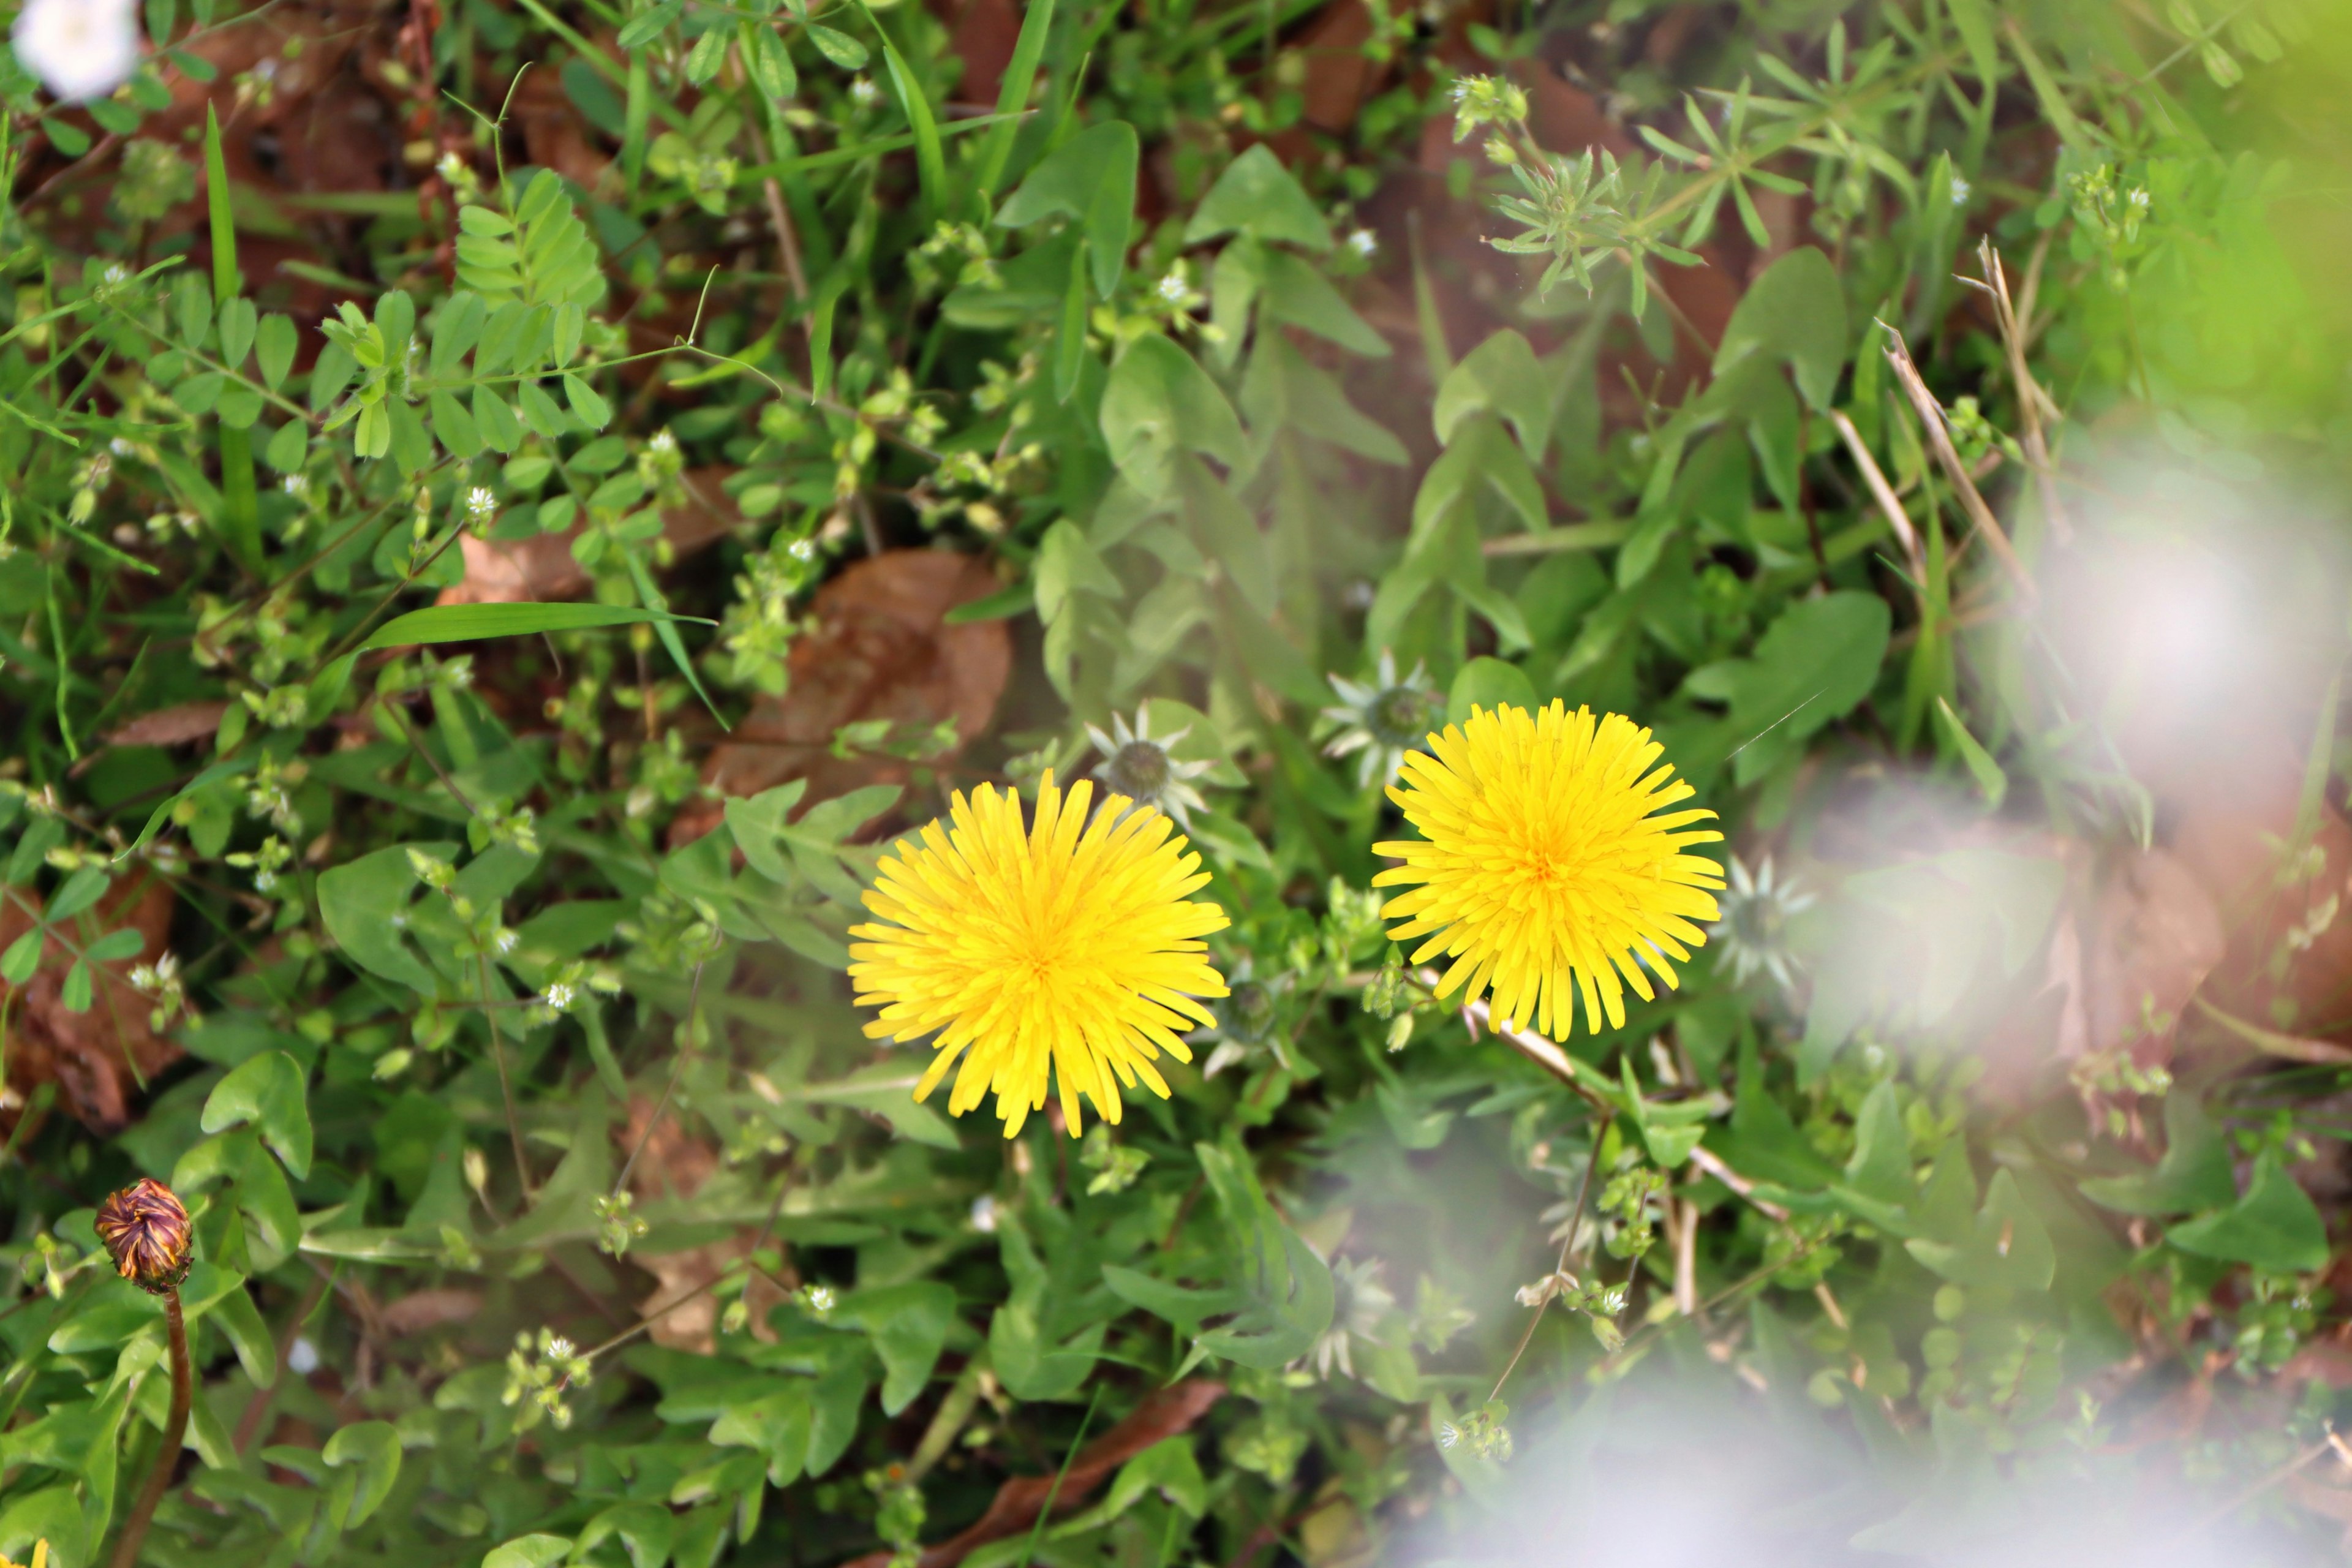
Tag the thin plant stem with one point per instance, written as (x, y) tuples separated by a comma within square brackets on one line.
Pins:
[(175, 1432), (1567, 1242)]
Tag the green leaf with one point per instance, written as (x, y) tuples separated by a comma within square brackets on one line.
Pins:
[(1160, 403), (2194, 1173), (533, 1551), (1794, 313), (592, 408), (77, 992), (2011, 1247), (1090, 178), (1298, 295), (454, 427), (268, 1092), (1811, 666), (540, 412), (1012, 91), (373, 1446), (647, 1530), (2275, 1227), (23, 957), (115, 946), (1501, 375), (1488, 683), (757, 823), (467, 623), (237, 330), (837, 47), (643, 28), (364, 904), (286, 450), (1257, 197), (80, 890), (908, 1327), (1991, 781), (931, 158)]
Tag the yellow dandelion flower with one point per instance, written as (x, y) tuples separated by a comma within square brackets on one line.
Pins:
[(40, 1556), (1069, 952), (1542, 870)]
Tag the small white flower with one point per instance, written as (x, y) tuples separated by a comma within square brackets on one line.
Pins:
[(302, 1357), (662, 441), (79, 48), (1961, 189), (558, 996), (1364, 242), (1173, 289), (863, 90), (481, 506), (983, 1214)]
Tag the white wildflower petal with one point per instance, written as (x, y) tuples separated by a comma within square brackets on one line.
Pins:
[(80, 49)]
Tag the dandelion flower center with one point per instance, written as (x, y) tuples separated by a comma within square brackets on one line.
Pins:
[(1065, 954), (1543, 871)]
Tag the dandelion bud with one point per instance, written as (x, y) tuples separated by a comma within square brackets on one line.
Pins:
[(146, 1233)]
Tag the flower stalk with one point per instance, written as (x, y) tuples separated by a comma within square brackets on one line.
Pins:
[(145, 1229)]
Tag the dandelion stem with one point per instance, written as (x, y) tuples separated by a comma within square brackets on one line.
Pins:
[(176, 1431)]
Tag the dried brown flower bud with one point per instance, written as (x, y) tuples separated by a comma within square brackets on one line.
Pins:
[(146, 1233)]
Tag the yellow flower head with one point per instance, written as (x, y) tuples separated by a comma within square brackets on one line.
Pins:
[(1541, 869), (40, 1556), (1071, 950)]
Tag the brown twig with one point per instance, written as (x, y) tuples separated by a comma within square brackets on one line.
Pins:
[(1884, 494), (2033, 405), (1939, 440), (175, 1433)]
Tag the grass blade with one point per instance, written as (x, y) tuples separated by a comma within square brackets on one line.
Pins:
[(1013, 95), (465, 623)]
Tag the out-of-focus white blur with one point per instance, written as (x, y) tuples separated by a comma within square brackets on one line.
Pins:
[(1708, 1474)]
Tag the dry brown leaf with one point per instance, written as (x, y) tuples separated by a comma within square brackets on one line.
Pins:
[(102, 1057), (421, 1309), (2153, 936), (673, 1163), (540, 568), (1339, 77), (174, 726), (1165, 1413), (881, 649), (985, 34)]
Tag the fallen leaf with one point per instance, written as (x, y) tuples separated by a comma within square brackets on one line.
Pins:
[(101, 1058), (2153, 935), (983, 38), (1164, 1413), (174, 726), (881, 649), (553, 131), (1339, 76), (671, 1162), (421, 1309), (540, 569)]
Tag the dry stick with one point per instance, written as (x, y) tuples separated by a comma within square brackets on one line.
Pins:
[(175, 1433), (1939, 438), (1884, 494), (2033, 404)]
